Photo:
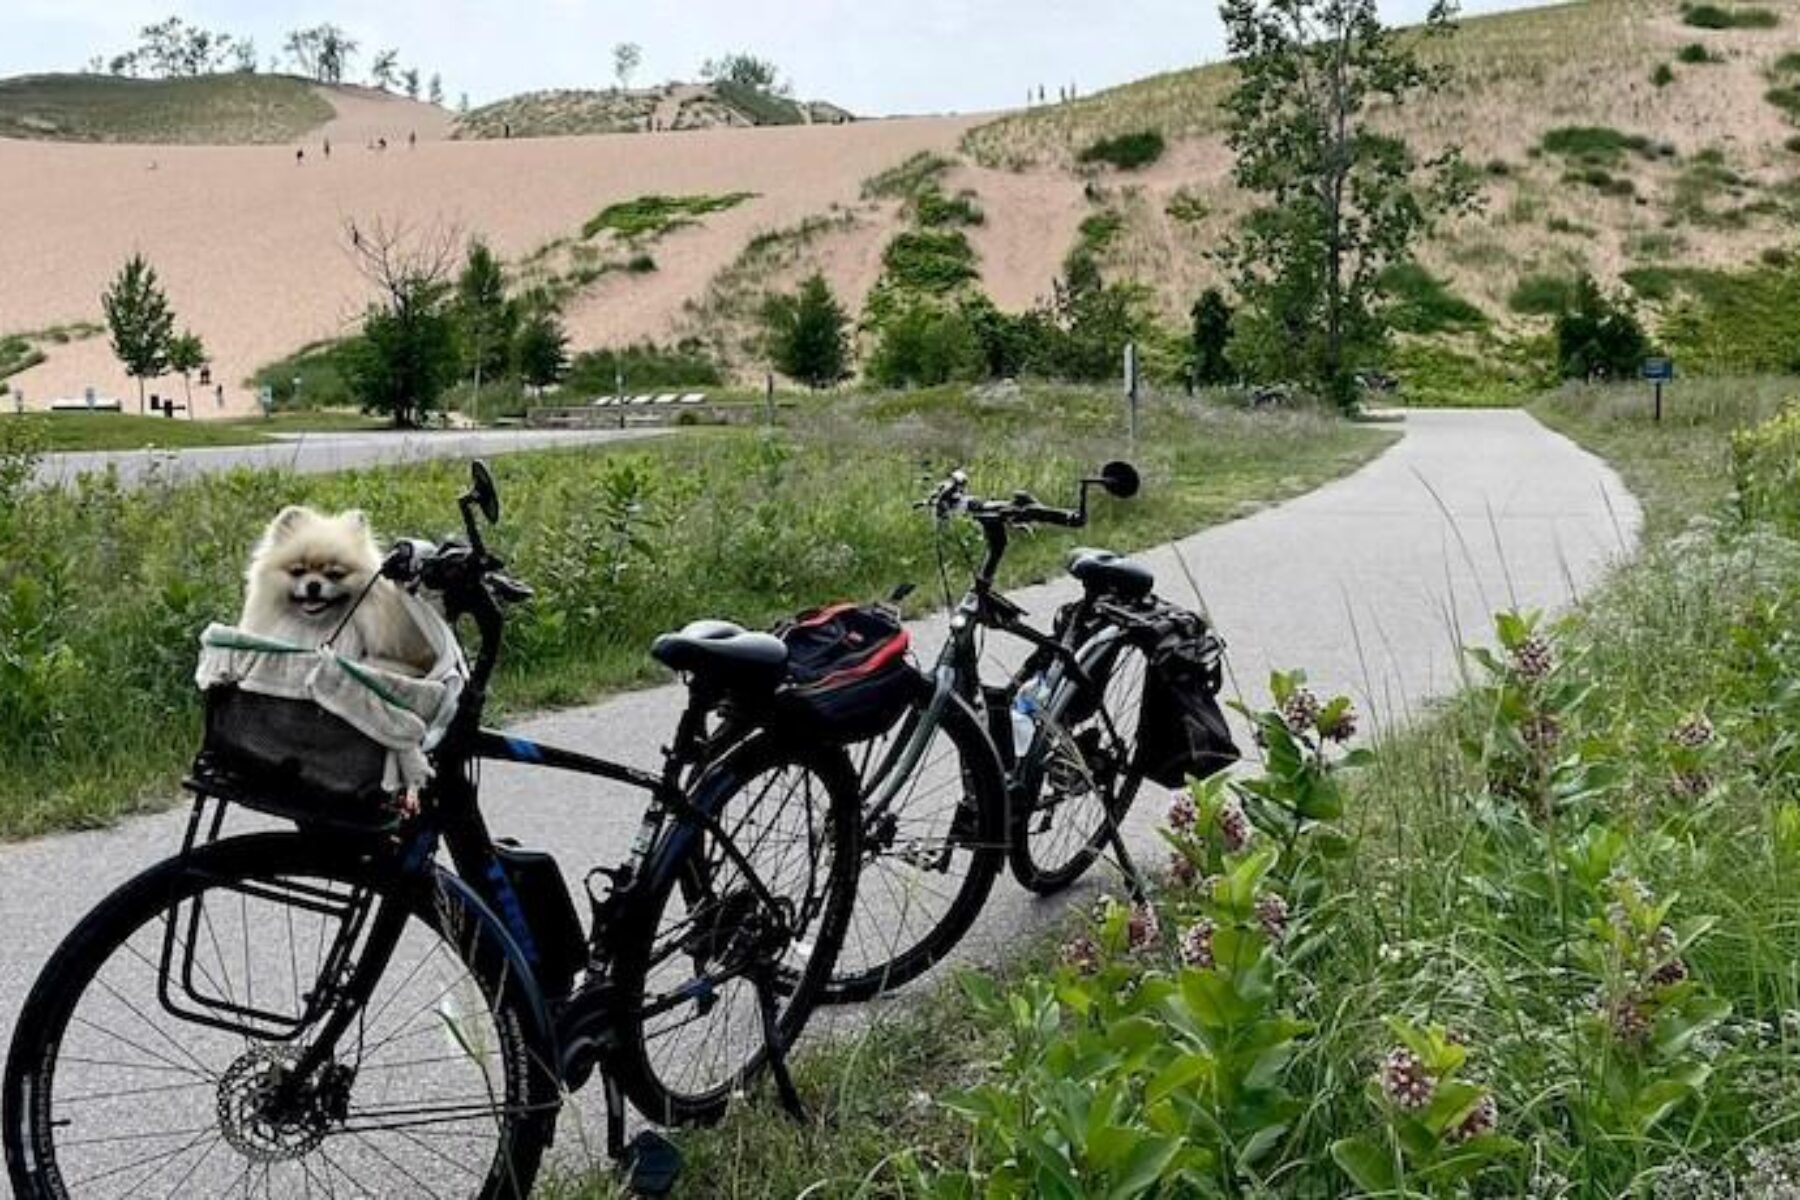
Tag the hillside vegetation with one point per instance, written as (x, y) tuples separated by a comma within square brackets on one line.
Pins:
[(210, 109), (566, 112), (1609, 137)]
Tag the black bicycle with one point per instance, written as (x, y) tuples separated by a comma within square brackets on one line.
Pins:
[(332, 1010), (1036, 772)]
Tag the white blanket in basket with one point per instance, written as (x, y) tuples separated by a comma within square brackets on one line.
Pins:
[(407, 714)]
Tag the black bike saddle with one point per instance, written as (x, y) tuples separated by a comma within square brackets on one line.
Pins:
[(1104, 571), (722, 651)]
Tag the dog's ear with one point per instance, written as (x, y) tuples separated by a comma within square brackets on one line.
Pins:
[(288, 518), (356, 519)]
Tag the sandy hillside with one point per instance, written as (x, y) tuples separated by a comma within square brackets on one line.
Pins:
[(249, 243), (367, 114)]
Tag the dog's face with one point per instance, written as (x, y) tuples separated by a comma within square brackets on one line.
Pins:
[(313, 566)]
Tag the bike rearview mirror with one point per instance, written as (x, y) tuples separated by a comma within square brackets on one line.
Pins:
[(487, 496), (1120, 479)]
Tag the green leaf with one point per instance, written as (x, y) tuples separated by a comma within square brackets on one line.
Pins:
[(1184, 1071), (1367, 1163), (1144, 1170)]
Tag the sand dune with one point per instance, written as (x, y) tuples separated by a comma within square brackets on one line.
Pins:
[(249, 244)]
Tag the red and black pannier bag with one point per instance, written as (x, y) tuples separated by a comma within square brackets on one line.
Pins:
[(848, 678)]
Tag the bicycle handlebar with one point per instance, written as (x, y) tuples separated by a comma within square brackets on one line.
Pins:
[(951, 497)]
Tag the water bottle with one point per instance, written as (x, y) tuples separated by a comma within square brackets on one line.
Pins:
[(1025, 707)]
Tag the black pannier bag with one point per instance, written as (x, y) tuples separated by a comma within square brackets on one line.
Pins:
[(847, 675), (1182, 732)]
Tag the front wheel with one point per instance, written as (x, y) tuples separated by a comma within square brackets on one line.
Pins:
[(1080, 780), (152, 1057)]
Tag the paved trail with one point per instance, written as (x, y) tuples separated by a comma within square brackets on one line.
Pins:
[(317, 453), (1369, 583)]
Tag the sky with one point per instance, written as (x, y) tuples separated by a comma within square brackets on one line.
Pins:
[(875, 57)]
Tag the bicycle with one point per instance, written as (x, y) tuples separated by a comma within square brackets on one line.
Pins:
[(331, 1008), (1036, 773)]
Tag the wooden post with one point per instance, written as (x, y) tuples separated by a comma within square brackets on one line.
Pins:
[(769, 399), (1131, 390)]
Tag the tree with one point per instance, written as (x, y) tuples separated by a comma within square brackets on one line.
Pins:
[(434, 91), (627, 57), (409, 80), (138, 317), (173, 48), (323, 52), (542, 349), (407, 354), (924, 345), (1598, 337), (385, 69), (486, 316), (1211, 336), (243, 55), (809, 334), (1342, 200), (187, 354), (745, 70)]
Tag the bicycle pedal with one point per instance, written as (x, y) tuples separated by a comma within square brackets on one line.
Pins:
[(652, 1164)]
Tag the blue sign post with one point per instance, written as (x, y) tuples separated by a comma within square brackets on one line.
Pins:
[(1659, 371)]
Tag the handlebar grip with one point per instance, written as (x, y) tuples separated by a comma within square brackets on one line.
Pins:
[(1041, 514), (405, 559)]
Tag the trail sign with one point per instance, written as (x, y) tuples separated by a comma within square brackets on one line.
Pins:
[(1658, 371)]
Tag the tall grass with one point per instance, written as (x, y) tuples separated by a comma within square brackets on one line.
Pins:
[(104, 590)]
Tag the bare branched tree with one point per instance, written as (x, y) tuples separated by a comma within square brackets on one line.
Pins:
[(407, 356)]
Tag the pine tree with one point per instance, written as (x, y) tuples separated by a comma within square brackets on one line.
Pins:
[(488, 317), (542, 349), (138, 315), (1212, 334), (809, 334)]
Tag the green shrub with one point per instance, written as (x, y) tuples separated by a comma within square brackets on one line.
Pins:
[(1575, 228), (1541, 295), (1787, 64), (929, 261), (1792, 144), (315, 376), (643, 366), (1099, 230), (1712, 16), (1787, 99), (1127, 151), (1420, 302), (18, 354), (1695, 54), (640, 264), (654, 215), (1594, 143), (924, 345), (1598, 336), (908, 179), (1662, 76), (932, 209), (760, 106), (1186, 207), (1602, 181), (1765, 466)]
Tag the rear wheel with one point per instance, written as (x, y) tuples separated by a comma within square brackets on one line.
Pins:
[(151, 1056), (698, 947), (1081, 781), (930, 855)]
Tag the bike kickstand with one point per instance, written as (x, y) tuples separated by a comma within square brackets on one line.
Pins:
[(649, 1163), (1134, 879), (778, 1066)]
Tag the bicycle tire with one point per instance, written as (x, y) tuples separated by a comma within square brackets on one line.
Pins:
[(687, 852), (53, 1032), (872, 962), (1046, 866)]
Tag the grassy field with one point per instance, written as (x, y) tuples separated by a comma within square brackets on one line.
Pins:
[(123, 431), (1561, 917), (210, 110), (102, 592)]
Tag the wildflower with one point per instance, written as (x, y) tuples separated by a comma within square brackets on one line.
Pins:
[(1342, 726), (1691, 785), (1479, 1123), (1404, 1081), (1541, 732), (1692, 731), (1081, 953), (1533, 658), (1142, 928), (1234, 827), (1181, 812), (1197, 945), (1301, 710), (1669, 974), (1629, 1020), (1181, 870), (1272, 912)]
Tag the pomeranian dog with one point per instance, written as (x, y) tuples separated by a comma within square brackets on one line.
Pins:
[(310, 571)]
